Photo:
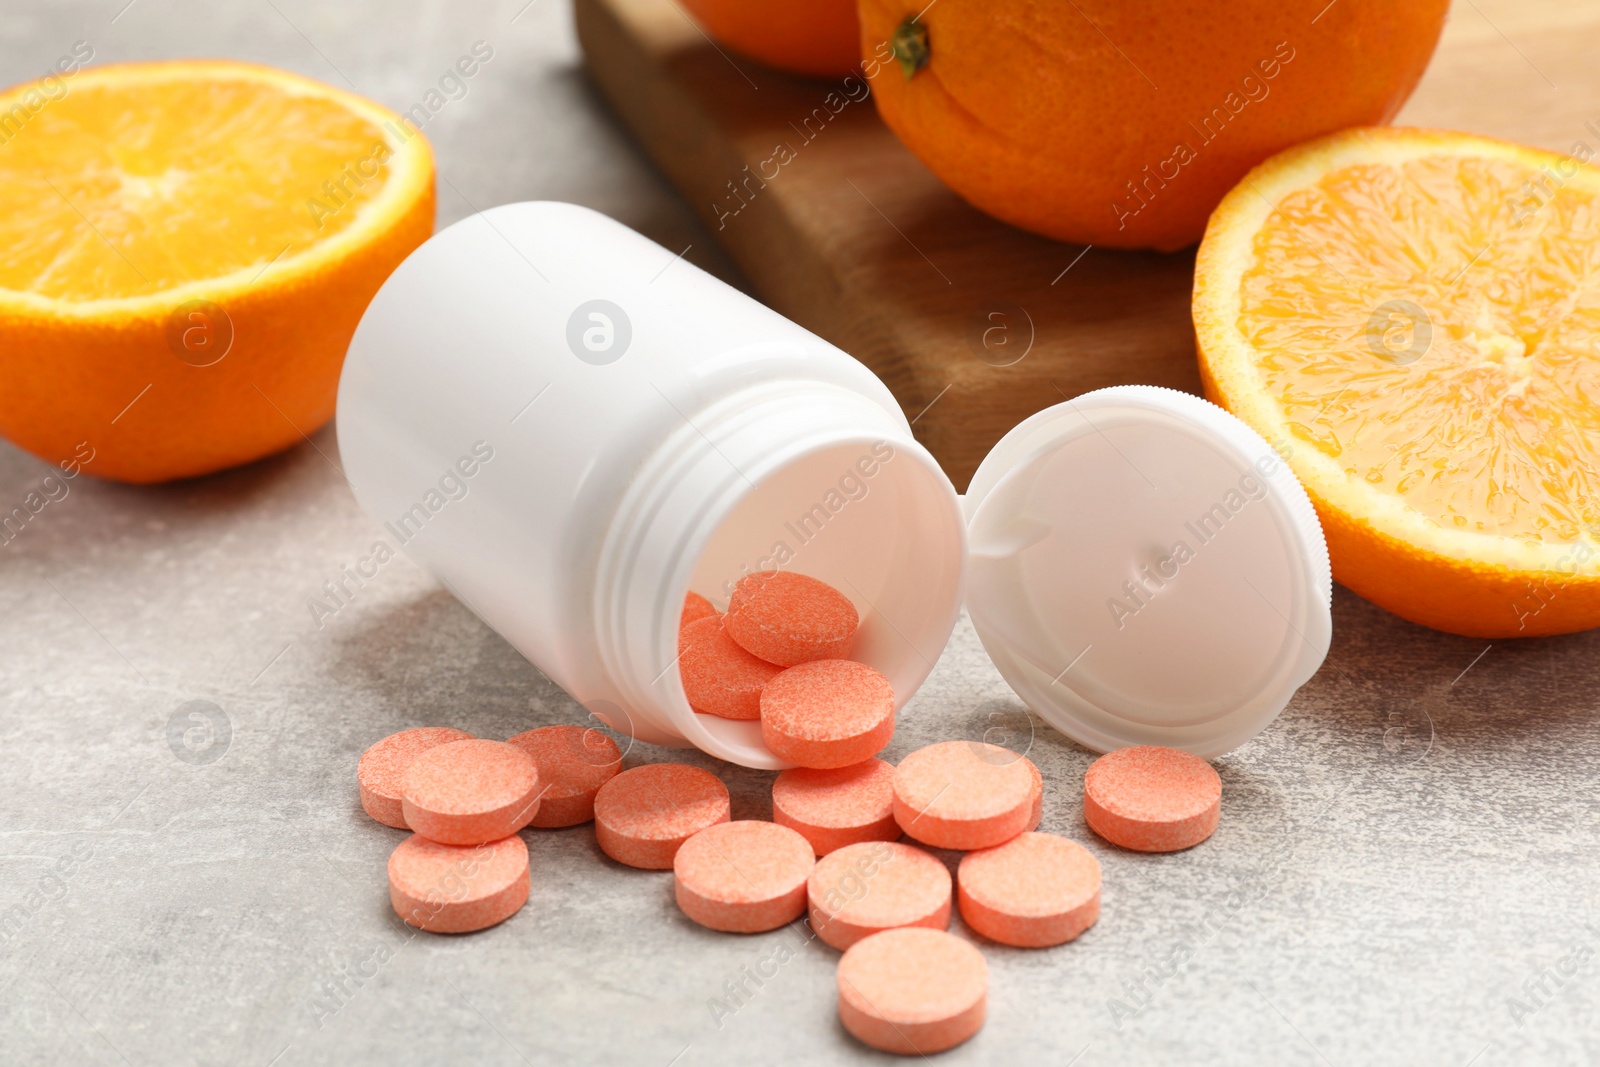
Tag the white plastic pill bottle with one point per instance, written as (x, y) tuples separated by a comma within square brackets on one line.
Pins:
[(572, 427)]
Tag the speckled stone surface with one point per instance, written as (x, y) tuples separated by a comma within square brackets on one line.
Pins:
[(1406, 869)]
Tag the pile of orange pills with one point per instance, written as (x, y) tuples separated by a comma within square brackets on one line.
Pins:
[(843, 851), (780, 655), (464, 799)]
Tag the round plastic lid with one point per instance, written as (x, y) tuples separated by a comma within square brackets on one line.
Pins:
[(1145, 569)]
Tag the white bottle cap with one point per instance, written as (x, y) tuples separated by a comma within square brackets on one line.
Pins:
[(1145, 569)]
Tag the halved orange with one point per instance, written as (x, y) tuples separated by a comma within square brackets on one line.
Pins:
[(1413, 318), (185, 252)]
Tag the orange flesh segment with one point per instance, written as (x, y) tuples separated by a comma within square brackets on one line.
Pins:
[(1514, 356), (191, 185)]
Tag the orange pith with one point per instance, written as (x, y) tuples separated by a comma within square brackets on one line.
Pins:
[(1414, 318)]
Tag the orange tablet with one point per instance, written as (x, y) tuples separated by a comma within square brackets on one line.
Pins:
[(720, 678), (789, 618), (837, 806), (1033, 891), (453, 889), (913, 991), (470, 792), (384, 764), (827, 713), (1152, 799), (743, 877), (574, 762), (859, 890), (963, 794), (1036, 813), (695, 608), (644, 815)]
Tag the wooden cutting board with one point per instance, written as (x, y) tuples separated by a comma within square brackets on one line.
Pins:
[(973, 324)]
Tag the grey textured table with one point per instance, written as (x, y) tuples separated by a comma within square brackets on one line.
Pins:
[(1405, 871)]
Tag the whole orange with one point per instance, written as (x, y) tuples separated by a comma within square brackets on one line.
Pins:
[(1117, 124), (186, 249), (812, 37)]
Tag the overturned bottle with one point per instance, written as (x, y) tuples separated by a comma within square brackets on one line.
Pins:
[(571, 428)]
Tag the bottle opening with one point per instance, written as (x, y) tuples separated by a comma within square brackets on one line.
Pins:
[(875, 519)]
